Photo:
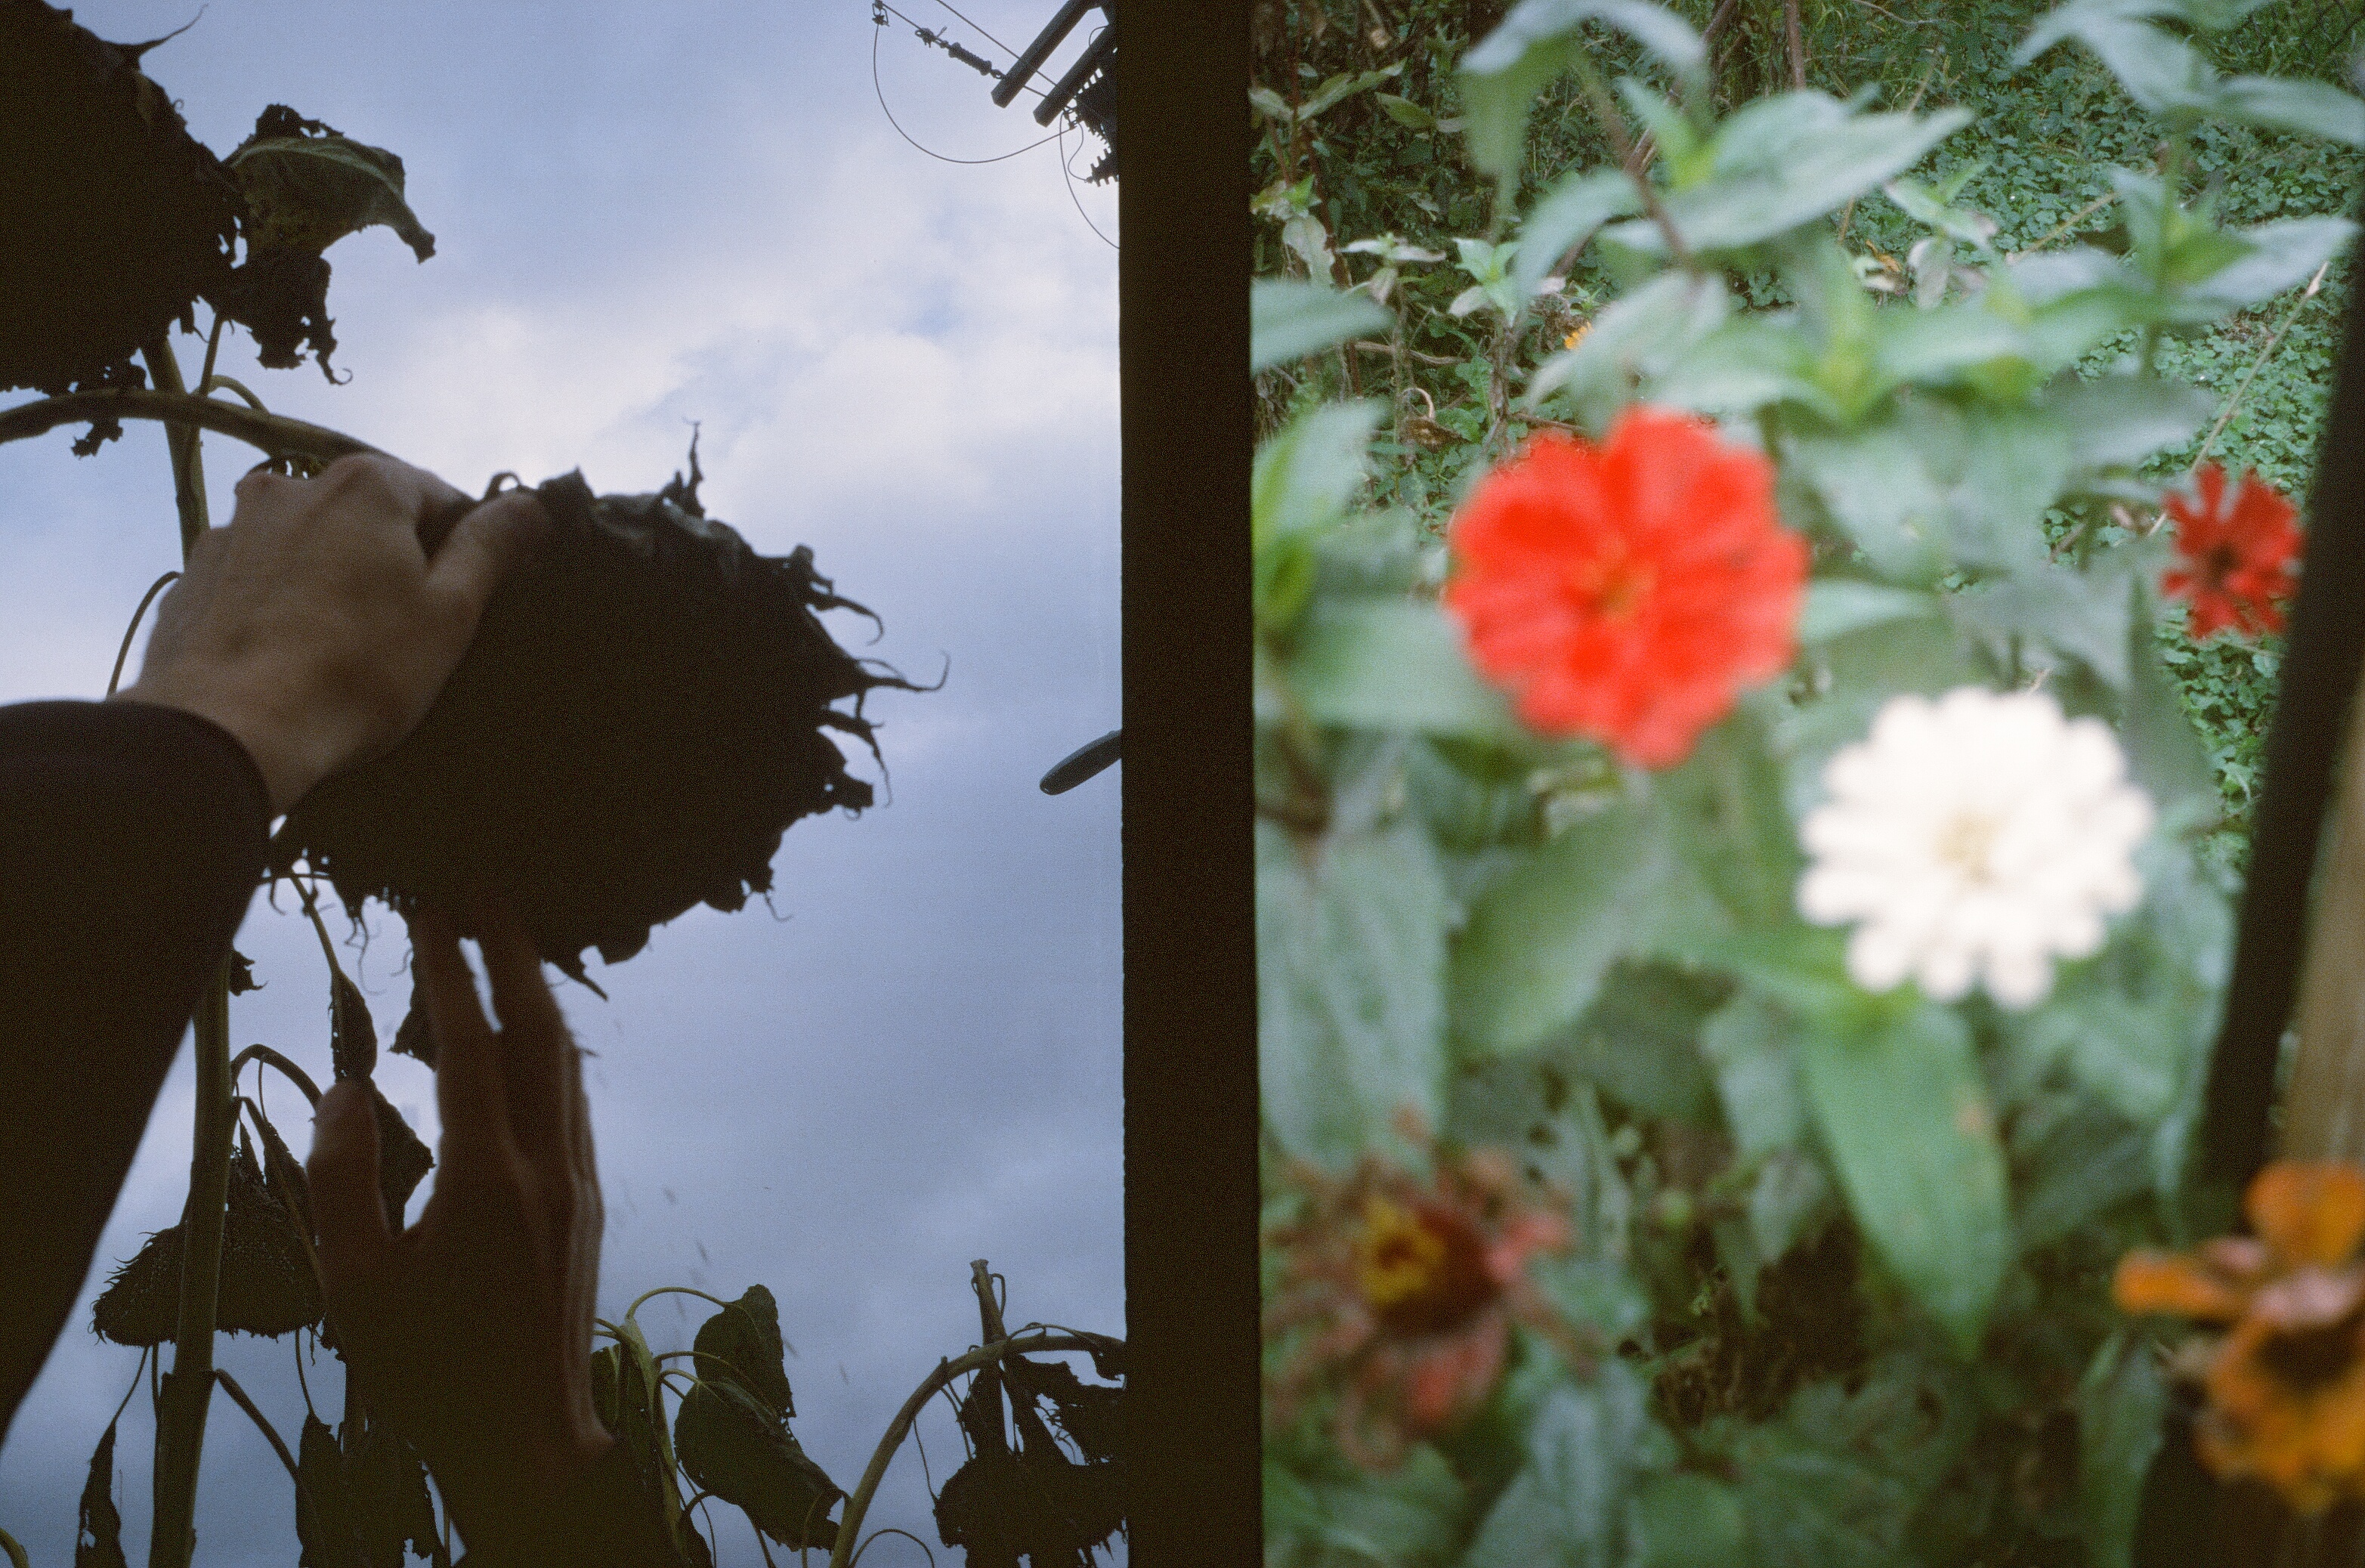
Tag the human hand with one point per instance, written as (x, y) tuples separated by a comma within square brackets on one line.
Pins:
[(317, 628), (471, 1331)]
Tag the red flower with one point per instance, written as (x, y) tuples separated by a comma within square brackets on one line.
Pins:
[(1408, 1288), (2238, 564), (1628, 591)]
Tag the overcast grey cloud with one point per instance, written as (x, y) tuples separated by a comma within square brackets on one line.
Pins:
[(646, 215)]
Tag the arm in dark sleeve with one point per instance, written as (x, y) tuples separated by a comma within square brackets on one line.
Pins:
[(132, 836)]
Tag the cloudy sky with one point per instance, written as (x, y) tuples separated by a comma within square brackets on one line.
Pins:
[(648, 214)]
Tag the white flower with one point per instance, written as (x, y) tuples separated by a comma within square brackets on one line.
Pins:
[(1974, 839)]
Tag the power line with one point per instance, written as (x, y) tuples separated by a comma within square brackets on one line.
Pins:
[(1070, 174), (926, 36), (906, 135), (989, 37)]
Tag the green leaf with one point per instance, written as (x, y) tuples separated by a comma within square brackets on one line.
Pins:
[(1838, 606), (1289, 318), (1724, 805), (1566, 217), (1269, 104), (1594, 1292), (306, 191), (2121, 1401), (1393, 664), (2165, 753), (2161, 72), (2083, 614), (1746, 363), (1905, 1112), (1404, 112), (1644, 335), (2118, 421), (1786, 161), (1874, 486), (1753, 1047), (1835, 1481), (1343, 87), (1350, 971), (1501, 76), (2089, 1162), (1567, 1507), (2282, 103), (1640, 1041), (1536, 947), (2278, 256), (731, 1445), (1686, 1521), (1306, 476), (1412, 1517), (1934, 348)]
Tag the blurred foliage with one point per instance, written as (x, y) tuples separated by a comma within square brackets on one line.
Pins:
[(1839, 1287)]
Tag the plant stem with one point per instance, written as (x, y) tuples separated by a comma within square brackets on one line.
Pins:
[(1613, 125), (850, 1520), (189, 1386), (188, 1389), (17, 1557), (275, 433), (2259, 363)]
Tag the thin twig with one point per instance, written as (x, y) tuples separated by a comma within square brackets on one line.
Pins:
[(1614, 125), (1798, 45), (1366, 346), (2067, 224), (2259, 363)]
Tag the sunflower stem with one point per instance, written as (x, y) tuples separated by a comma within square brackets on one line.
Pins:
[(188, 1389), (850, 1523), (275, 433)]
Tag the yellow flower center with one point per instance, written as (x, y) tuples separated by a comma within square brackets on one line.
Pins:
[(1614, 583), (1396, 1257), (1967, 842)]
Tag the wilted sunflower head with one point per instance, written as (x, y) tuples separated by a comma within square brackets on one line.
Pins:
[(644, 710), (116, 218)]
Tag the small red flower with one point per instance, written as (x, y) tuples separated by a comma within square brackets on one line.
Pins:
[(1628, 591), (1409, 1287), (2238, 564)]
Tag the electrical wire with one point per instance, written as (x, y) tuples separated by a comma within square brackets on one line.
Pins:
[(989, 37), (906, 135), (925, 35), (1070, 174)]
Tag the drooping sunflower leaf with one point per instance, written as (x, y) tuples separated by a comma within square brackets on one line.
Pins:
[(352, 1038), (742, 1342), (403, 1160), (386, 1482), (731, 1444), (308, 185), (326, 1526), (98, 1537), (242, 974)]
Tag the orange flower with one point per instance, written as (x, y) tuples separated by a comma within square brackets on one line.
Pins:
[(2286, 1386), (1411, 1288), (2237, 565), (1628, 591)]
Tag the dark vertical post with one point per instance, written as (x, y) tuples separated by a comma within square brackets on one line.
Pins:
[(1190, 986)]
